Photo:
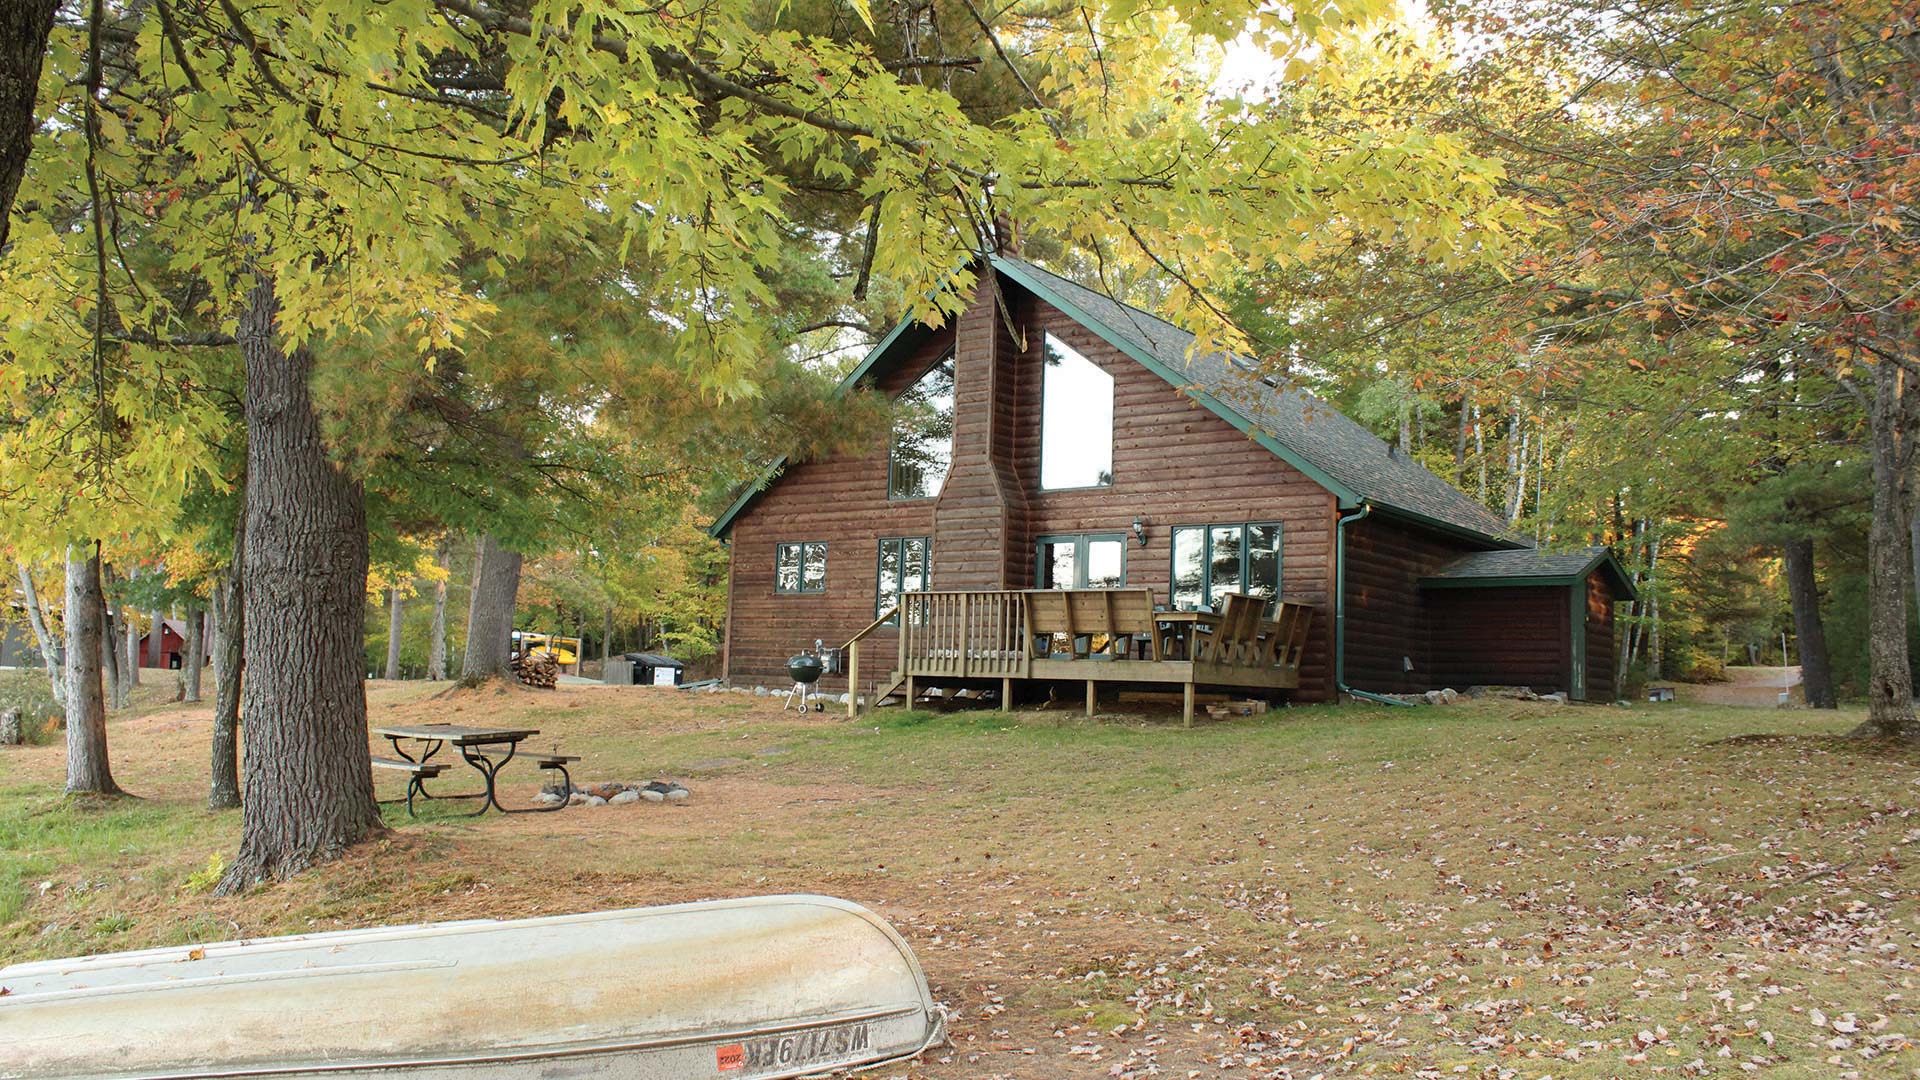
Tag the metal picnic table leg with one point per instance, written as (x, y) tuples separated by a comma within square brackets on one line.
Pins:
[(488, 768)]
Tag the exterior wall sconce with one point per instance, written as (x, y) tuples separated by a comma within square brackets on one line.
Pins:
[(1140, 530)]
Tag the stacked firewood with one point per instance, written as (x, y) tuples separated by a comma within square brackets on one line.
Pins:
[(537, 669)]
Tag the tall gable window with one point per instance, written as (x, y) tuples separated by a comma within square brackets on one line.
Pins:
[(1210, 561), (1076, 420), (800, 568), (922, 448)]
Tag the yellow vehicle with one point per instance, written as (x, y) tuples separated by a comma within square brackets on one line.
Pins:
[(563, 650)]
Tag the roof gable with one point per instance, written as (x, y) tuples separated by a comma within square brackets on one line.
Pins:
[(1301, 429), (1297, 427)]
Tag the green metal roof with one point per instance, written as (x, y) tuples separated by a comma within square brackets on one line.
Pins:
[(1494, 569), (1297, 427)]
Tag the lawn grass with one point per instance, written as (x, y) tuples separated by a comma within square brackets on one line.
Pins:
[(1487, 889)]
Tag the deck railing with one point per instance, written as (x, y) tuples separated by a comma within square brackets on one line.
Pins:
[(964, 635)]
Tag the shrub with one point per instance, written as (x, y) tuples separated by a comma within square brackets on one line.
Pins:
[(27, 690)]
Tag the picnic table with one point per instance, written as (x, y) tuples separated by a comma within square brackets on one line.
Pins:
[(487, 749)]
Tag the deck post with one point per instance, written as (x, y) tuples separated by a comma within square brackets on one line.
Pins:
[(1090, 690), (1186, 705), (1006, 695), (853, 680), (911, 695)]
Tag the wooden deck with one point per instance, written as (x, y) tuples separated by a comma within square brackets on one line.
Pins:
[(1086, 635)]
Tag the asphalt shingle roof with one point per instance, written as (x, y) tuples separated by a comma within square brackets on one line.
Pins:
[(1304, 424), (1521, 564)]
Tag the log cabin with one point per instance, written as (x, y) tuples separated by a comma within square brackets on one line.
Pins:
[(1068, 496)]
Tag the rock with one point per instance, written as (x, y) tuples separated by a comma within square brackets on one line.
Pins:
[(547, 798), (1434, 697), (653, 796), (759, 691), (625, 797), (678, 794), (1558, 697), (11, 730), (578, 798), (1447, 695), (595, 800), (606, 790)]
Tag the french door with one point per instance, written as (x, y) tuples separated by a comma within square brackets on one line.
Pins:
[(1081, 561)]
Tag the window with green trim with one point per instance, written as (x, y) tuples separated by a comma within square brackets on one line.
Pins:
[(1211, 561), (1076, 420), (902, 568), (921, 453), (800, 568)]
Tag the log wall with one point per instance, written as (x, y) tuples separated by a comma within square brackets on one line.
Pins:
[(1519, 636), (1387, 615), (1600, 685)]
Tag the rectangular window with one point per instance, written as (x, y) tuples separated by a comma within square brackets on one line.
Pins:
[(800, 568), (902, 569), (1211, 561), (1076, 420), (921, 452)]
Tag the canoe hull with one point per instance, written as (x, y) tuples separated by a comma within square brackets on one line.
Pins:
[(752, 989)]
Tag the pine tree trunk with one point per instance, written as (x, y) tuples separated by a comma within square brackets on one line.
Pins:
[(195, 655), (24, 28), (1816, 672), (223, 789), (1890, 678), (496, 586), (437, 639), (396, 614), (87, 768), (308, 790), (52, 653)]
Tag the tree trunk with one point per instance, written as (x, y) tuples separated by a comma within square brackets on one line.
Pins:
[(1460, 446), (1816, 672), (52, 654), (496, 586), (157, 642), (606, 637), (87, 769), (437, 639), (1653, 607), (308, 790), (396, 613), (223, 789), (24, 28), (130, 668), (110, 645), (195, 653), (1890, 679)]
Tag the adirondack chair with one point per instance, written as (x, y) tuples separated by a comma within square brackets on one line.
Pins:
[(1235, 641), (1289, 634)]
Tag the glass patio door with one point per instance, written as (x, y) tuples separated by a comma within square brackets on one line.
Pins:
[(1082, 561)]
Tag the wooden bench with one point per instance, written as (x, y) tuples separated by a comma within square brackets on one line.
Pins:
[(417, 773), (1118, 615), (558, 762)]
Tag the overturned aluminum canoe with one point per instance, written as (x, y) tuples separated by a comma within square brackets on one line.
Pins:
[(765, 987)]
